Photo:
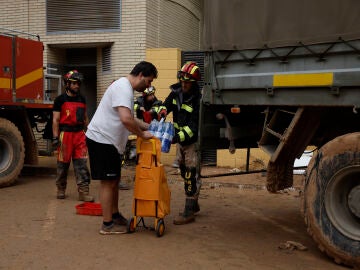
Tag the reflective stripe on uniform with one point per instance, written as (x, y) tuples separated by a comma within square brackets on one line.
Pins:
[(185, 129), (136, 106), (174, 101), (187, 108), (60, 153), (156, 109), (181, 136), (162, 108), (188, 131)]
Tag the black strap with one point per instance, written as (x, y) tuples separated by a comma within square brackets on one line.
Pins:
[(71, 128)]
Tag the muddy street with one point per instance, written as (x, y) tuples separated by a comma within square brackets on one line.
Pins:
[(240, 226)]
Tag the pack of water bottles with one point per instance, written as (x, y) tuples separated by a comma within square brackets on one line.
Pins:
[(163, 131)]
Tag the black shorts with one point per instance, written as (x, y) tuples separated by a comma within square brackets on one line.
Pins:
[(105, 161)]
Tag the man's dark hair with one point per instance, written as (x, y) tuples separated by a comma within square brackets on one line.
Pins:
[(146, 68)]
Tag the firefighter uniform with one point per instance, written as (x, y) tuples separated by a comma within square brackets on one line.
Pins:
[(185, 107), (71, 144)]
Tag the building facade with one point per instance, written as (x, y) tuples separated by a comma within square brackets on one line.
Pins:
[(104, 39)]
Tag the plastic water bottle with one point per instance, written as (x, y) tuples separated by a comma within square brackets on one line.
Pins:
[(159, 130), (153, 127), (167, 137)]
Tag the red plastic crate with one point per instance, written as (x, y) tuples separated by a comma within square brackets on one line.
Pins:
[(88, 208)]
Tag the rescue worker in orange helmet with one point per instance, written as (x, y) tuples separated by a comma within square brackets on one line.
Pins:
[(184, 102), (69, 122)]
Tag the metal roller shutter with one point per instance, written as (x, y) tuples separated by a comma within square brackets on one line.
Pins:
[(82, 15), (208, 156)]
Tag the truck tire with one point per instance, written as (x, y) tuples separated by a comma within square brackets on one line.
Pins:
[(12, 152), (331, 199)]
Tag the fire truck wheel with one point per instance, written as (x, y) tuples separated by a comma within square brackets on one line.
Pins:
[(12, 152), (331, 199)]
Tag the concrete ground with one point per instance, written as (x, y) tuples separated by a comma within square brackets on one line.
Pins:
[(240, 226)]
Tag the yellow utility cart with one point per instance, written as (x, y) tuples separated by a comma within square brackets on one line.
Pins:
[(151, 191)]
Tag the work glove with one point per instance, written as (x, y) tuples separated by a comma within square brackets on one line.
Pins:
[(162, 114), (55, 143)]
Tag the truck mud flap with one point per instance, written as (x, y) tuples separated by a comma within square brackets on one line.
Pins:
[(285, 138)]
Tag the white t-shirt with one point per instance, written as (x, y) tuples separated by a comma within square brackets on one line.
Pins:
[(105, 126)]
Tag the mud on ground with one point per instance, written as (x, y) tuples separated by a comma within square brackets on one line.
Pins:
[(240, 226)]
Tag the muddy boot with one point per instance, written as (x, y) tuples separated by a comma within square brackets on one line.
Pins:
[(61, 179), (196, 208), (60, 194), (84, 194), (188, 214)]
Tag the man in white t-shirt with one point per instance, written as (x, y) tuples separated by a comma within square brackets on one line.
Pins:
[(106, 139)]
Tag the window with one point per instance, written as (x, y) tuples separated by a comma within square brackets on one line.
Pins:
[(82, 16)]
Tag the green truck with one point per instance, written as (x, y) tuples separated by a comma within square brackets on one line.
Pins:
[(282, 76)]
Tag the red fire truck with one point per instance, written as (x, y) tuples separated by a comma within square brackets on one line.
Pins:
[(25, 105)]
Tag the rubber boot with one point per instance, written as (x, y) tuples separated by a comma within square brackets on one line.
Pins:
[(188, 214), (61, 179), (196, 208), (84, 194)]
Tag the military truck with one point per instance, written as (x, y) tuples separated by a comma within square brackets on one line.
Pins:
[(282, 76), (26, 97)]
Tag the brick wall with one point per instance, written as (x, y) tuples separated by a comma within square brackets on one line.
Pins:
[(172, 24), (180, 26)]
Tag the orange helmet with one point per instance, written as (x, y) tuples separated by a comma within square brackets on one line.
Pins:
[(73, 76), (189, 72)]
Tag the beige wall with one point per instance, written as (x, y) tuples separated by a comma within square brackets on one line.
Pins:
[(258, 159), (15, 14)]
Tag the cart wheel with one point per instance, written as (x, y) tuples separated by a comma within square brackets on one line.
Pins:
[(160, 228), (131, 225)]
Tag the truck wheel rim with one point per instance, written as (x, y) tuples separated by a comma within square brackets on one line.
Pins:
[(5, 154), (354, 201), (341, 201)]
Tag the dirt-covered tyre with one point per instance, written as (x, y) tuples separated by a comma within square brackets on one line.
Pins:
[(12, 152), (332, 199)]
